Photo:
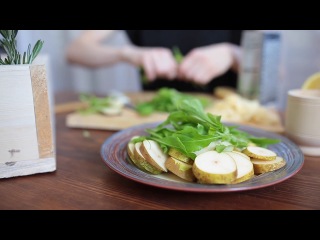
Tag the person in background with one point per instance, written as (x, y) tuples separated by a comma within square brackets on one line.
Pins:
[(1, 50), (210, 57)]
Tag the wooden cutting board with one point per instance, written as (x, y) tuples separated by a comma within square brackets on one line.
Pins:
[(127, 118)]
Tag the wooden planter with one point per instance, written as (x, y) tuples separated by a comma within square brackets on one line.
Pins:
[(26, 136)]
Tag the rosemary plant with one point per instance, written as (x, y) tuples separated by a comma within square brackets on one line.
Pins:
[(9, 44)]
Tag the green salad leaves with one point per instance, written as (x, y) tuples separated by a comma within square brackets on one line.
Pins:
[(95, 104), (166, 100), (189, 129)]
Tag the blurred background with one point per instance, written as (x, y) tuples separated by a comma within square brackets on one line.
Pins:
[(299, 58), (65, 77)]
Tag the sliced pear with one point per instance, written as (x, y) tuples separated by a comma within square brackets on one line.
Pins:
[(260, 153), (179, 155), (214, 168), (153, 153), (115, 107), (245, 169), (238, 149), (181, 169), (263, 166), (142, 162), (130, 150), (251, 144), (242, 154)]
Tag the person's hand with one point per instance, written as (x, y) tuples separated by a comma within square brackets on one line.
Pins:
[(156, 62), (203, 64)]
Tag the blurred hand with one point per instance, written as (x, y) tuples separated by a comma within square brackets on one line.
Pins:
[(203, 64), (156, 62)]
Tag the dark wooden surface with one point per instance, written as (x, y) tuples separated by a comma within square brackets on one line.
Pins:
[(83, 181)]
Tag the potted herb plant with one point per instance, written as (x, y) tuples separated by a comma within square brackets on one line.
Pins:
[(26, 139)]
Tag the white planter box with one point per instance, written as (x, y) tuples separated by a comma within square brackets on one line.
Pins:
[(26, 136)]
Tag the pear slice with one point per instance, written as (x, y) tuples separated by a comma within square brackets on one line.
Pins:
[(130, 150), (242, 154), (181, 169), (153, 153), (115, 107), (179, 155), (214, 168), (263, 166), (245, 169), (142, 162), (260, 153)]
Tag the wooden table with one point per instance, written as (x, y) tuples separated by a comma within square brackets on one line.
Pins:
[(83, 181)]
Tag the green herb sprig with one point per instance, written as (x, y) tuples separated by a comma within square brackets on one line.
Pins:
[(9, 44), (178, 56)]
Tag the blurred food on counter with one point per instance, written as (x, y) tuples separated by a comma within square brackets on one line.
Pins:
[(225, 102), (237, 109)]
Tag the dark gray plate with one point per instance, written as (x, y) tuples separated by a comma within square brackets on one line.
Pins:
[(114, 154)]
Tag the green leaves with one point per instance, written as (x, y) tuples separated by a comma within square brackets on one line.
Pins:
[(166, 100), (9, 34), (95, 104), (10, 46), (189, 129)]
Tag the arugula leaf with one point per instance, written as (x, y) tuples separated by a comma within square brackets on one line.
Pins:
[(190, 129)]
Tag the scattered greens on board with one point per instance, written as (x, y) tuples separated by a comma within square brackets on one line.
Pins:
[(95, 104), (189, 129), (165, 101), (9, 44)]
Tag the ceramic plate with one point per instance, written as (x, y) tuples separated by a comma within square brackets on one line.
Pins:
[(114, 154)]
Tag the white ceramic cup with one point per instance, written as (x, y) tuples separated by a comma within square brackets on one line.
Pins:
[(302, 120)]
